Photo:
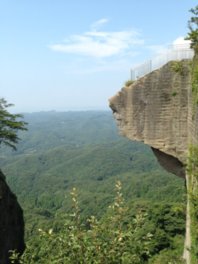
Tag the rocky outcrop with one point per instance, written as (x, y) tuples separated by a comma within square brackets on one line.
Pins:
[(11, 222), (161, 110), (156, 109)]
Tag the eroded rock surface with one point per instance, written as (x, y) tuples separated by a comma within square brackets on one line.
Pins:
[(11, 223), (155, 110)]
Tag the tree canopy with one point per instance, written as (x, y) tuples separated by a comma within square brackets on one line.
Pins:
[(9, 125), (193, 27)]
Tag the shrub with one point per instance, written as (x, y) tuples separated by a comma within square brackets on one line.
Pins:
[(177, 66), (128, 83), (111, 240)]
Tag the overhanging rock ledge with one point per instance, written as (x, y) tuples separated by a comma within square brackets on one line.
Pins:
[(157, 110)]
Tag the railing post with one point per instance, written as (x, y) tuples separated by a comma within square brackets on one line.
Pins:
[(150, 65), (131, 73)]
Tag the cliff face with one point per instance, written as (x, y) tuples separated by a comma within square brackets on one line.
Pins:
[(11, 222), (156, 109)]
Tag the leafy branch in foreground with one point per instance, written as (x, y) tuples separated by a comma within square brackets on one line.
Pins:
[(9, 125), (112, 240)]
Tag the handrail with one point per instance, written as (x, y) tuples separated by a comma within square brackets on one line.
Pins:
[(173, 52)]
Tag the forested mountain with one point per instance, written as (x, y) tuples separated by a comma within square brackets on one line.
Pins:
[(83, 150)]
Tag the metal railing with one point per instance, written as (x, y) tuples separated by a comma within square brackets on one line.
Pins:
[(174, 52)]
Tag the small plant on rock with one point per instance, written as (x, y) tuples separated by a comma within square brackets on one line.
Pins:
[(128, 83)]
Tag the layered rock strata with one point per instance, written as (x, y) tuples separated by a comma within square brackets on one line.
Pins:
[(156, 109)]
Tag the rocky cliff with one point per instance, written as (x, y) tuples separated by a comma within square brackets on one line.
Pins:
[(11, 222), (161, 110), (155, 110)]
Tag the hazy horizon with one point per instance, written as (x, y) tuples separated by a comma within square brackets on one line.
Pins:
[(66, 110)]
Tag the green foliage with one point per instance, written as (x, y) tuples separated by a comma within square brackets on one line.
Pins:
[(128, 83), (166, 222), (91, 157), (122, 235), (174, 93), (9, 125), (167, 257), (112, 240), (193, 27), (192, 167), (178, 67), (195, 81), (37, 176)]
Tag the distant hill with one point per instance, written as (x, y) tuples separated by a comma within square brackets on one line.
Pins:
[(83, 150)]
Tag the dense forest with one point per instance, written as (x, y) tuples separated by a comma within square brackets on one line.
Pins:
[(73, 166)]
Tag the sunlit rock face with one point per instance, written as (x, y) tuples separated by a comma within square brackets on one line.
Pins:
[(157, 110), (11, 223)]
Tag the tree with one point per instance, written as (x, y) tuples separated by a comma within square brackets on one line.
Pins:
[(193, 27), (9, 125)]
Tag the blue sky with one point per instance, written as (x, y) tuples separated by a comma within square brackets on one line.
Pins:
[(75, 54)]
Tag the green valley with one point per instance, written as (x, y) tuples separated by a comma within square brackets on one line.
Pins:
[(82, 150)]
